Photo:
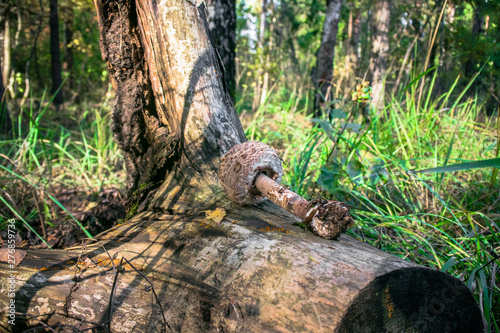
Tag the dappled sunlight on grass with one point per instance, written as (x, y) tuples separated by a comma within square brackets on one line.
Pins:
[(448, 221)]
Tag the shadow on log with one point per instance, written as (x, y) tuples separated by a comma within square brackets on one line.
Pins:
[(255, 273)]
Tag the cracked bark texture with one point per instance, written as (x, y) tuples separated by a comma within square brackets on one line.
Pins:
[(322, 74), (173, 118), (256, 274)]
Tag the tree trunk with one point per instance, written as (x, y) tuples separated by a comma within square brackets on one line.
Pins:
[(5, 121), (55, 53), (222, 22), (448, 38), (267, 63), (33, 57), (172, 117), (348, 52), (380, 49), (260, 71), (322, 75), (355, 54), (7, 47), (477, 30), (254, 272), (351, 58), (68, 54)]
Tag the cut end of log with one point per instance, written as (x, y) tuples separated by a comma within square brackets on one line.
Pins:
[(329, 218), (413, 300)]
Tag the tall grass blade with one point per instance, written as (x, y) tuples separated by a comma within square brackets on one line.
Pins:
[(491, 163), (51, 198)]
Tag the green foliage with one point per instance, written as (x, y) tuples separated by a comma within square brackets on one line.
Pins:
[(40, 158), (448, 220)]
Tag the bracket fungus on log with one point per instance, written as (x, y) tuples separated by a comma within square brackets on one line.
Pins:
[(251, 171)]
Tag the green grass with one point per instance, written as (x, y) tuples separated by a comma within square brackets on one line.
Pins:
[(49, 152), (444, 219)]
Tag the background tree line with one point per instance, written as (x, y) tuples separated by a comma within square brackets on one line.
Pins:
[(385, 42)]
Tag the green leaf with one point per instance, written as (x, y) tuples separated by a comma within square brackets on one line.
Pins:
[(353, 127), (417, 78), (337, 114), (449, 264), (328, 177), (492, 163)]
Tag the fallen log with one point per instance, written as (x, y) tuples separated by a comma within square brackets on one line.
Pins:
[(256, 272)]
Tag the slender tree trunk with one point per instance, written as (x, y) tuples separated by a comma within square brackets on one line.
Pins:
[(55, 53), (349, 51), (261, 43), (449, 20), (5, 121), (254, 272), (356, 31), (380, 49), (288, 32), (7, 48), (68, 53), (477, 30), (323, 73), (222, 22), (267, 62), (33, 57), (11, 76)]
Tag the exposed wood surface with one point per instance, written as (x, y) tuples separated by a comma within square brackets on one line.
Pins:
[(256, 272)]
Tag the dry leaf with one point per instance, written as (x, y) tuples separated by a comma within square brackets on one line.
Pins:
[(215, 215), (313, 259), (14, 258)]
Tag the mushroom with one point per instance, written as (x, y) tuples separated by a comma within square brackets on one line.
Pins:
[(251, 171)]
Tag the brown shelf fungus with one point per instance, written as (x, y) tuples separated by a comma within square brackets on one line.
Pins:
[(251, 171)]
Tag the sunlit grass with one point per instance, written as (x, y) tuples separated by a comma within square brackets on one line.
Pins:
[(41, 157), (447, 221)]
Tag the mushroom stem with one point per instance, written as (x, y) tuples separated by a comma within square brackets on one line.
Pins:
[(286, 199), (327, 219)]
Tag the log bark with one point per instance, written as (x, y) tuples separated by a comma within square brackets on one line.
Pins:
[(255, 273)]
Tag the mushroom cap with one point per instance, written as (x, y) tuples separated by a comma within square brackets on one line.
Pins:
[(241, 165)]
